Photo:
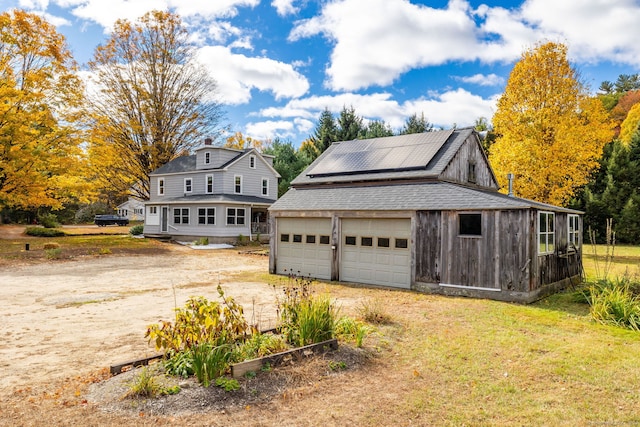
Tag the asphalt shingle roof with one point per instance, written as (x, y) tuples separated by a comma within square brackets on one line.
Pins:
[(214, 198), (401, 197)]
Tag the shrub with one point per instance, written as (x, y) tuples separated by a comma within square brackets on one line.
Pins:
[(87, 213), (53, 253), (614, 303), (201, 322), (145, 384), (180, 364), (203, 241), (136, 230), (44, 232), (48, 220), (259, 345)]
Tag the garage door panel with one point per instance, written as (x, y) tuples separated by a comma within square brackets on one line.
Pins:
[(303, 253), (378, 261)]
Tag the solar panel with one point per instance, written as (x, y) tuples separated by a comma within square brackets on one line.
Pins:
[(402, 152)]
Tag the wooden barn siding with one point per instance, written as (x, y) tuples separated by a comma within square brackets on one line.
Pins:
[(560, 265), (498, 259), (457, 170), (427, 247)]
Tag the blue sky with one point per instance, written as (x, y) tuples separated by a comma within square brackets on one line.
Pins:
[(279, 63)]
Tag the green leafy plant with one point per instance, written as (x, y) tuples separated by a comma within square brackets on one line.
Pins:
[(350, 329), (614, 303), (136, 230), (180, 364), (315, 320), (44, 232), (337, 366), (210, 362), (228, 384), (199, 322), (259, 345), (202, 241), (48, 220)]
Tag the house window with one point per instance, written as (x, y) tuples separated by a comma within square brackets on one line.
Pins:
[(324, 240), (574, 232), (284, 237), (207, 216), (207, 158), (160, 186), (311, 238), (471, 174), (265, 186), (546, 232), (153, 210), (237, 181), (383, 242), (470, 224), (181, 215), (209, 184), (235, 216), (188, 185), (252, 162)]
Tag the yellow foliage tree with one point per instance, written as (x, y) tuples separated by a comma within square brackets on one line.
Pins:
[(41, 162), (241, 142), (550, 133), (630, 125)]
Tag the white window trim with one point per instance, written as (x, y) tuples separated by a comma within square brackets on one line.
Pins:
[(235, 224), (206, 184), (190, 181), (235, 177), (575, 241), (262, 186), (206, 216), (160, 186), (252, 161), (181, 222), (547, 233), (207, 158)]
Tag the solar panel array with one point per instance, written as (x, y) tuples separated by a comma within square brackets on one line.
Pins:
[(404, 152)]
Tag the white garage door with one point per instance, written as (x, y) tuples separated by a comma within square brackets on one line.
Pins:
[(376, 251), (304, 247)]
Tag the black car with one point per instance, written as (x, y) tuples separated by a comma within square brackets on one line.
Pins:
[(104, 220)]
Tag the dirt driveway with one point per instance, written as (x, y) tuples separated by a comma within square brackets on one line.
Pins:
[(66, 318)]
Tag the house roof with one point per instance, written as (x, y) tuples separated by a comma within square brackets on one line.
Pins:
[(421, 155), (401, 197), (189, 163), (213, 198)]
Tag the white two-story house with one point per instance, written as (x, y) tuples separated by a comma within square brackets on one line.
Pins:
[(219, 193)]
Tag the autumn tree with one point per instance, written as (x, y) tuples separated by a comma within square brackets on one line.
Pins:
[(550, 132), (153, 101), (41, 163), (241, 142)]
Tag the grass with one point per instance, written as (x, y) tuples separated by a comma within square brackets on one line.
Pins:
[(626, 260)]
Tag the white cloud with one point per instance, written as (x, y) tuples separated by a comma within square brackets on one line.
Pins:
[(482, 79), (445, 109), (211, 8), (238, 74), (376, 41), (284, 7)]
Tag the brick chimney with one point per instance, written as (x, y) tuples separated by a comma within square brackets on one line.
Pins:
[(208, 141)]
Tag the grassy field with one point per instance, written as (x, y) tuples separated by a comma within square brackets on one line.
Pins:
[(446, 361), (615, 261)]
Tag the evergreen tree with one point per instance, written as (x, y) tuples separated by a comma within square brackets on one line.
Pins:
[(415, 124), (324, 134), (377, 129), (350, 125)]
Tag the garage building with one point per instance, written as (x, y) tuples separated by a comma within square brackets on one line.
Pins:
[(422, 212)]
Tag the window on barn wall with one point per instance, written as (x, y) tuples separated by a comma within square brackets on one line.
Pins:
[(470, 224), (546, 232), (471, 173), (574, 232)]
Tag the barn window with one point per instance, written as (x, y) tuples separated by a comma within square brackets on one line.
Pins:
[(297, 238), (366, 241), (402, 243), (574, 232), (311, 238), (470, 224), (383, 242), (324, 240), (284, 237), (350, 240), (546, 232), (471, 175)]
